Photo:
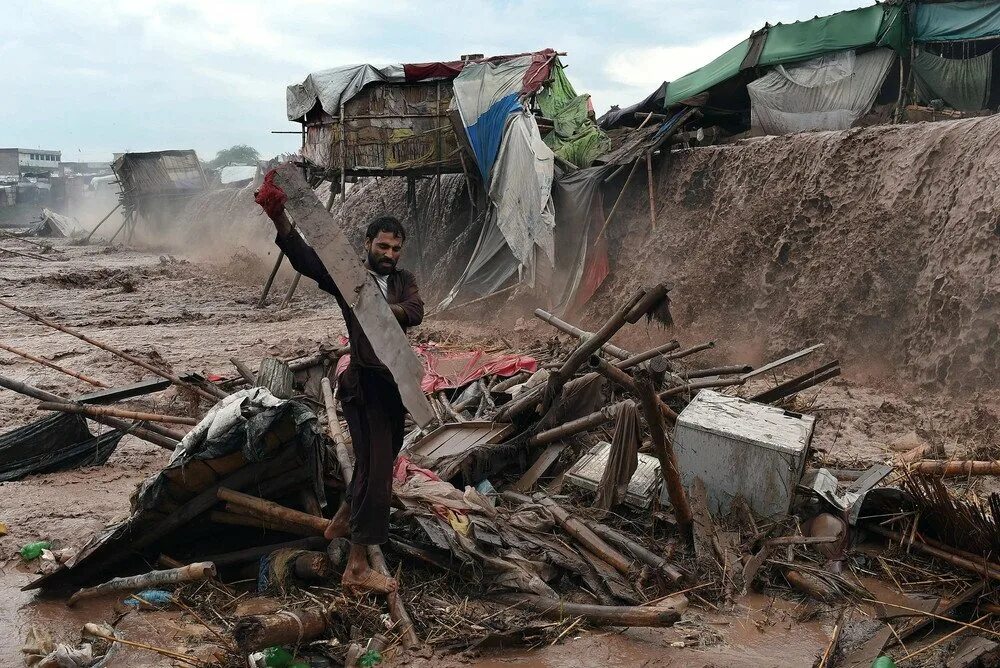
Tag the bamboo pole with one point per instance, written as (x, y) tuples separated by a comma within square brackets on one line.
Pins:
[(691, 351), (701, 385), (127, 217), (291, 291), (270, 280), (582, 533), (627, 313), (191, 572), (273, 511), (154, 434), (214, 394), (664, 450), (649, 178), (599, 615), (983, 568), (397, 611), (572, 330), (798, 383), (90, 411), (86, 239), (27, 255), (45, 362), (638, 551), (648, 355), (287, 627), (619, 377), (242, 520), (955, 468), (732, 370), (337, 433)]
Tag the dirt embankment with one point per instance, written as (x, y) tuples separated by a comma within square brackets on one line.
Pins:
[(883, 243)]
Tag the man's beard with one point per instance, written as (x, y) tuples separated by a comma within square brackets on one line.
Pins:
[(377, 265)]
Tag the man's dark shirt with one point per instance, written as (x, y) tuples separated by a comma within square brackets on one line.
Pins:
[(402, 290)]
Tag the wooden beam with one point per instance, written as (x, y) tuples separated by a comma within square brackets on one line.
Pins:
[(360, 290)]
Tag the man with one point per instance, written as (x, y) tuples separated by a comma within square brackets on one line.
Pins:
[(368, 394)]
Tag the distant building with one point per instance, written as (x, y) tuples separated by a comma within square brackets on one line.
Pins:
[(18, 162), (86, 168)]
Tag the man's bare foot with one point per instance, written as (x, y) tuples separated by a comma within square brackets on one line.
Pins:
[(339, 525), (365, 580)]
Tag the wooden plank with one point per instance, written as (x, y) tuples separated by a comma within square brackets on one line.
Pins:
[(360, 290), (545, 460), (113, 394)]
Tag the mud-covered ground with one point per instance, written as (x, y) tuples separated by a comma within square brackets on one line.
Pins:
[(195, 314)]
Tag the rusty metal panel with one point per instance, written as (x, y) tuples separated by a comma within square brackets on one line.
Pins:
[(741, 448)]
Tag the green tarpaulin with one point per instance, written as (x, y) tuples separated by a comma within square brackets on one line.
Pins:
[(575, 138), (868, 26), (879, 25), (956, 21), (963, 83), (725, 66)]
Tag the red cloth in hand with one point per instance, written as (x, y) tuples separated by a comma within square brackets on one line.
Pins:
[(271, 197)]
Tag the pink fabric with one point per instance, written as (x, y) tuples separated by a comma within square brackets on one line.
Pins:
[(539, 71), (443, 371), (404, 469)]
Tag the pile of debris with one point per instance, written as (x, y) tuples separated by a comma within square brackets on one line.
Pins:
[(630, 487)]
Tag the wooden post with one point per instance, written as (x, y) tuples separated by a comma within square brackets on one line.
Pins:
[(664, 449), (272, 510), (120, 227), (662, 614), (288, 627), (27, 255), (45, 362), (91, 410), (270, 280), (86, 239), (198, 571), (152, 434), (581, 533), (337, 433), (397, 611), (291, 291), (244, 371), (572, 330), (276, 376), (649, 177), (648, 298), (214, 395)]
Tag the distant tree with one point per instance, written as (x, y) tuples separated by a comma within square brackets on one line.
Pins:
[(241, 154)]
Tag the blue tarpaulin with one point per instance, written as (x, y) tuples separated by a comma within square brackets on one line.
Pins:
[(485, 134)]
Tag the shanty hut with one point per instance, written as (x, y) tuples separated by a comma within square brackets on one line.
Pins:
[(157, 185), (916, 60), (370, 121), (502, 121)]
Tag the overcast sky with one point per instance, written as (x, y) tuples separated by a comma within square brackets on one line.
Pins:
[(93, 77)]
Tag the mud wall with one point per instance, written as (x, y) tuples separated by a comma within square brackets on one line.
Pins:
[(881, 242), (441, 234)]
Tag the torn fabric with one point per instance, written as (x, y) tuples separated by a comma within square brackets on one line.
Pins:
[(827, 93), (964, 84)]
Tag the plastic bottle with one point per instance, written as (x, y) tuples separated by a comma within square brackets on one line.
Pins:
[(884, 662), (277, 657), (32, 551)]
